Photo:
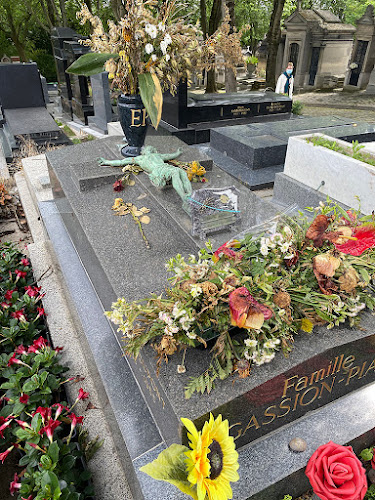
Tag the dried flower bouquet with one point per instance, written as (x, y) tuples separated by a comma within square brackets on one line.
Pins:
[(151, 49), (270, 287)]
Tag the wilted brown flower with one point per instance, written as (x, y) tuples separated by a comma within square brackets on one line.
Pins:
[(167, 345), (349, 280), (208, 288), (295, 256), (282, 299), (345, 234), (317, 229), (326, 264), (242, 366)]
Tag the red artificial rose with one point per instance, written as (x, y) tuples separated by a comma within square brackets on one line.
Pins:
[(335, 473)]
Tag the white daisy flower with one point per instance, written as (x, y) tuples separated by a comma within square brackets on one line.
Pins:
[(151, 30), (149, 48), (250, 342)]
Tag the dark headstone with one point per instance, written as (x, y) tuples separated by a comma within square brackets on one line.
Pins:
[(80, 100), (45, 89), (101, 102), (24, 112), (275, 394), (191, 116), (244, 149), (20, 86)]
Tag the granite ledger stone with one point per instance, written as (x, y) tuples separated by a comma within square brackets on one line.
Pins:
[(255, 152), (274, 394), (322, 371)]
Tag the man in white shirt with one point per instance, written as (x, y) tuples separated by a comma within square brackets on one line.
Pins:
[(285, 81)]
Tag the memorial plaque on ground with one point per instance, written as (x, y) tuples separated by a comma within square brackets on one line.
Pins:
[(254, 153), (323, 366), (213, 209)]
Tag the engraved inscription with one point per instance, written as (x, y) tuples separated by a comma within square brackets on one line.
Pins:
[(240, 111), (138, 117), (275, 107), (301, 391)]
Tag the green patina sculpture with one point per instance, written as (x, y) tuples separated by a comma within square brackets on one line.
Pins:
[(158, 171)]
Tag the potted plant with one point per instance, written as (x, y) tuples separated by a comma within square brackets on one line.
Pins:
[(149, 50), (251, 64)]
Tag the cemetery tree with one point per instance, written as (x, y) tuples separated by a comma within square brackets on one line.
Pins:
[(273, 40), (14, 24), (230, 77), (257, 17), (209, 27)]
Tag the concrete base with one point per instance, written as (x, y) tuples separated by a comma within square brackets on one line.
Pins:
[(336, 175)]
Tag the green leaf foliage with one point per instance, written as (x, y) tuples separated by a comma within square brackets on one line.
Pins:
[(367, 454), (91, 63), (170, 467), (152, 96)]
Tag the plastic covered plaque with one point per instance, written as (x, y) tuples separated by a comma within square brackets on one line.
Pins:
[(213, 209)]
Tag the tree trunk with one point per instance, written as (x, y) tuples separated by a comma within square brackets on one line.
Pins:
[(273, 40), (51, 9), (230, 80), (203, 14), (211, 82), (118, 9), (20, 49), (14, 34), (230, 77), (215, 17), (63, 12), (214, 23)]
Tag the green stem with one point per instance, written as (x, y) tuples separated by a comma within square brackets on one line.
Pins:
[(137, 221), (232, 346)]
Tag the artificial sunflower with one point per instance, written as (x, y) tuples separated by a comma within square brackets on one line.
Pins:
[(212, 461)]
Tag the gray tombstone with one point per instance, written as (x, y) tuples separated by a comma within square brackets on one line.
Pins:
[(45, 89), (371, 84), (101, 101)]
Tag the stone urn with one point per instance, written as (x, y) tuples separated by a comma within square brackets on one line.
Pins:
[(133, 119), (250, 69)]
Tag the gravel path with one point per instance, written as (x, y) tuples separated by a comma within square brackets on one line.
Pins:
[(355, 105)]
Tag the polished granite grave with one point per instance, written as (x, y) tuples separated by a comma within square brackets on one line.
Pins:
[(24, 110), (190, 116), (322, 371), (255, 153)]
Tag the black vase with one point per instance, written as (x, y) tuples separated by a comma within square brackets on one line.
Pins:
[(132, 115)]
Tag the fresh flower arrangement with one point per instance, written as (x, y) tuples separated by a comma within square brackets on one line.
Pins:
[(269, 286), (151, 49), (205, 469)]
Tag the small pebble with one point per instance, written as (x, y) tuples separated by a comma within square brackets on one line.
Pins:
[(298, 445)]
